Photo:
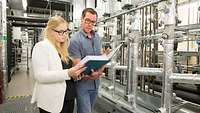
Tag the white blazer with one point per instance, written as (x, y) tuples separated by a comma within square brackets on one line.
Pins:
[(49, 89)]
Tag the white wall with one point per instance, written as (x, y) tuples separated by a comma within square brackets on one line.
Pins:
[(79, 5), (100, 8), (187, 13), (90, 3)]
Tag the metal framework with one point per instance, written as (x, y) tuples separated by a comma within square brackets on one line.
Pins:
[(134, 69)]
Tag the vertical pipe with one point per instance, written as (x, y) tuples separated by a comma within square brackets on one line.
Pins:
[(168, 56), (113, 71), (122, 49), (145, 46), (168, 69), (155, 27), (85, 3), (150, 58), (134, 66), (145, 34), (50, 11), (133, 63), (142, 49), (188, 42), (129, 71), (122, 63), (155, 43), (188, 49), (27, 57), (1, 60), (67, 12), (4, 49)]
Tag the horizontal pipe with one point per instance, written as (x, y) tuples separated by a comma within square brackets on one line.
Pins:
[(149, 71), (189, 96), (133, 9), (22, 24), (143, 70), (120, 67), (28, 19), (185, 78)]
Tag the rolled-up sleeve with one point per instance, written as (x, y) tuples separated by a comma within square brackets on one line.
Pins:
[(74, 48)]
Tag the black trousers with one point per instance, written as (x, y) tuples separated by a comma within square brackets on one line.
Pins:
[(68, 107)]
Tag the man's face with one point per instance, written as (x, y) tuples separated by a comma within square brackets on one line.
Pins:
[(88, 22)]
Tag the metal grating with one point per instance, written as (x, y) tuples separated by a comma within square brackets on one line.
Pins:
[(18, 105)]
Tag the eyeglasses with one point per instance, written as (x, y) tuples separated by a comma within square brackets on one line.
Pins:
[(88, 21), (61, 32)]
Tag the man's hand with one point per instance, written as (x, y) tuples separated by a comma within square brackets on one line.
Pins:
[(95, 74), (106, 51)]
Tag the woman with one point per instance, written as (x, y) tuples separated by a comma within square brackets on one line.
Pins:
[(54, 87)]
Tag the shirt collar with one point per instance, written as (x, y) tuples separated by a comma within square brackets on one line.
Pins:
[(84, 34)]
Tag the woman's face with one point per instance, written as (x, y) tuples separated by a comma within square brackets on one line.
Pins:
[(61, 33)]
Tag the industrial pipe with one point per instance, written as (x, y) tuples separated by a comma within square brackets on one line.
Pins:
[(185, 78), (149, 71), (133, 9)]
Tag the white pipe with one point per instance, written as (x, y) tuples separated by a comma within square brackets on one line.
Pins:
[(185, 78), (149, 71)]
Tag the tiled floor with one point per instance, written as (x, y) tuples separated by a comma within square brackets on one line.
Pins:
[(21, 83), (20, 86)]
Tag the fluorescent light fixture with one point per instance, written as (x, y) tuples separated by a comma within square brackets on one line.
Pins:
[(24, 3)]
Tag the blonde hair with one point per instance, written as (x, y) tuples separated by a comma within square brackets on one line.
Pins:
[(61, 48)]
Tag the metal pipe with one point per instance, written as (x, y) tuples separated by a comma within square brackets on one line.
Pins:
[(22, 24), (145, 47), (142, 50), (155, 43), (143, 70), (134, 66), (185, 78), (4, 49), (149, 71), (27, 58), (168, 57), (118, 67), (122, 50), (28, 19), (150, 50), (113, 81), (129, 70), (133, 9), (168, 71)]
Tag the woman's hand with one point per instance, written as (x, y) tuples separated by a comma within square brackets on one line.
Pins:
[(76, 70)]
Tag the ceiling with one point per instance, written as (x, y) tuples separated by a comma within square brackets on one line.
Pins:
[(40, 6), (38, 9), (50, 4)]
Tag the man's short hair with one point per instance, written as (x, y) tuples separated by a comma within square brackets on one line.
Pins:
[(90, 10)]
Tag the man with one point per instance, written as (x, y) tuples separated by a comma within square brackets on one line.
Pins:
[(86, 42)]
